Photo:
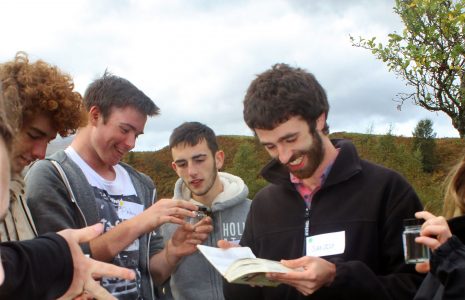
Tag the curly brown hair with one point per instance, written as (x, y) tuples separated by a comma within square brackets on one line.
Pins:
[(283, 92), (41, 88), (6, 129)]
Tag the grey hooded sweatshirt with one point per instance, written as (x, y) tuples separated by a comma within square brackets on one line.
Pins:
[(194, 277)]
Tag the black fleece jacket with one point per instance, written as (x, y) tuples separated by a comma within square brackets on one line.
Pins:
[(41, 268), (365, 200), (446, 280)]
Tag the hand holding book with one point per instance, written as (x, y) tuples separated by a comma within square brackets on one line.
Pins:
[(239, 265)]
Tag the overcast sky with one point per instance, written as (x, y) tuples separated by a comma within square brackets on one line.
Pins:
[(196, 58)]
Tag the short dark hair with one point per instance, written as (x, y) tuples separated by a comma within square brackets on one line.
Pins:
[(283, 92), (192, 133), (112, 91)]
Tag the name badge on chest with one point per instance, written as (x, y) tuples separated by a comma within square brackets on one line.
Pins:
[(127, 209), (326, 244)]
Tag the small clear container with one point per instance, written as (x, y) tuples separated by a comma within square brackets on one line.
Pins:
[(199, 215), (413, 252)]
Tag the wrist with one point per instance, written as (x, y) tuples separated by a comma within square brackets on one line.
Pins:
[(171, 258)]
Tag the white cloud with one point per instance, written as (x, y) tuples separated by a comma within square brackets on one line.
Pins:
[(196, 58)]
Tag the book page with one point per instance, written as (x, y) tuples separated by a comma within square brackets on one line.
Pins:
[(252, 271), (221, 259)]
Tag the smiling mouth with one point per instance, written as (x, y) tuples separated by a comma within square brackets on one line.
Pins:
[(296, 163), (196, 182)]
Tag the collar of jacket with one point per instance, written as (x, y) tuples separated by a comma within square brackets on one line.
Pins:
[(457, 227), (346, 165)]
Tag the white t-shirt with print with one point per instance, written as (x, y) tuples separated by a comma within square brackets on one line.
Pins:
[(116, 201)]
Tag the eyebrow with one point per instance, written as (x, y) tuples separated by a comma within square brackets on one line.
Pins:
[(193, 157), (285, 137), (133, 128)]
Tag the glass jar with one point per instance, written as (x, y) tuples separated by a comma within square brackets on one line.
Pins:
[(413, 252), (201, 213)]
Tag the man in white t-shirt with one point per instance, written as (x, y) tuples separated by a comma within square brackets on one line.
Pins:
[(87, 183)]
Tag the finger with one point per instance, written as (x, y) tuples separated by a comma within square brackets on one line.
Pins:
[(101, 269), (88, 233), (178, 211), (224, 244), (203, 229), (186, 204), (299, 262), (97, 291), (422, 267), (428, 242), (424, 215), (435, 230)]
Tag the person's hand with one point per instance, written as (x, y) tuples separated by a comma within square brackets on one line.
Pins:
[(168, 211), (86, 270), (311, 273), (224, 244), (186, 238), (434, 232)]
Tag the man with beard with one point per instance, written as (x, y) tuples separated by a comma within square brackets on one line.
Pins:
[(333, 217), (196, 160)]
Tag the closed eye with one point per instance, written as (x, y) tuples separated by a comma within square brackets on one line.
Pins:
[(34, 136)]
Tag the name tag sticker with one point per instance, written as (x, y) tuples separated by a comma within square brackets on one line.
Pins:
[(127, 210), (326, 244)]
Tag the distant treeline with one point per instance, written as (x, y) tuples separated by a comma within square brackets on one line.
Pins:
[(245, 157)]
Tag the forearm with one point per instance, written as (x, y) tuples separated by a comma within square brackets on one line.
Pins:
[(108, 245), (32, 270), (163, 264)]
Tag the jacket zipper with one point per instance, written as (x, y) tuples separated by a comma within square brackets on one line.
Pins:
[(306, 228)]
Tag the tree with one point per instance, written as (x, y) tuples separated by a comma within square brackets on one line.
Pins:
[(424, 142), (429, 55), (247, 166)]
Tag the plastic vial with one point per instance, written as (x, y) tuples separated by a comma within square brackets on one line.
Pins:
[(199, 215), (413, 252)]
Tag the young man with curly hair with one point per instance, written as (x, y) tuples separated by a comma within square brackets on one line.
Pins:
[(41, 102)]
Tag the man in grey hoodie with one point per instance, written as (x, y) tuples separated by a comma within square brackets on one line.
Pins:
[(196, 160)]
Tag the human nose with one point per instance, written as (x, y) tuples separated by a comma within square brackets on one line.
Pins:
[(192, 170), (39, 150), (130, 141), (284, 154)]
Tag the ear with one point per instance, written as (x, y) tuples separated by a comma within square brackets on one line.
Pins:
[(320, 122), (175, 168), (94, 115), (219, 159)]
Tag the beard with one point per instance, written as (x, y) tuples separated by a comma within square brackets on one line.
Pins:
[(209, 183), (314, 154)]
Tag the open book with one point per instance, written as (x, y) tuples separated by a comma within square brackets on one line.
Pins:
[(239, 265)]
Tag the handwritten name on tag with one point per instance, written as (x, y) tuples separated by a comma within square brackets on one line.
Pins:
[(127, 210), (326, 244)]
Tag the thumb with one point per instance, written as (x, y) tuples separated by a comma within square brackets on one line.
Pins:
[(224, 244), (88, 233), (422, 267), (296, 263)]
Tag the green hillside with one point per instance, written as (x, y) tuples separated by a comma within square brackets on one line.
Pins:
[(245, 157)]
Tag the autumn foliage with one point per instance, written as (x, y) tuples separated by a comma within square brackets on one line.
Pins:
[(244, 157)]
